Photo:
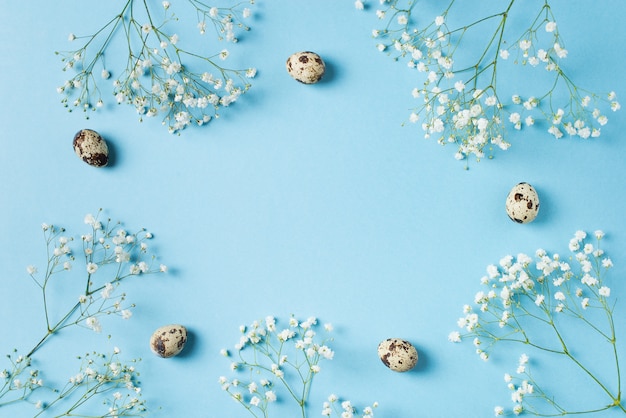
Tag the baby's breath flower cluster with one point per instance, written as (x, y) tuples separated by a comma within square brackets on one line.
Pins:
[(19, 381), (162, 78), (463, 100), (109, 255), (225, 20), (103, 382), (345, 409), (552, 295), (280, 364)]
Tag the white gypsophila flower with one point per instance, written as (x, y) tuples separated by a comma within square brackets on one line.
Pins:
[(580, 235), (106, 292), (454, 337), (560, 51), (93, 323), (525, 44), (92, 268), (326, 352), (90, 219)]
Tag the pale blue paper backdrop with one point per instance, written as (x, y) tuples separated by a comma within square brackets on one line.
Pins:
[(303, 200)]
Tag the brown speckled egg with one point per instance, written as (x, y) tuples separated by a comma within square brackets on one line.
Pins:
[(91, 148), (306, 67), (522, 203), (168, 340), (399, 355)]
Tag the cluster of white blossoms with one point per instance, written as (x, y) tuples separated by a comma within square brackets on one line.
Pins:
[(276, 355), (20, 380), (284, 361), (104, 382), (110, 255), (225, 20), (346, 409), (518, 392), (463, 102), (161, 78), (523, 295)]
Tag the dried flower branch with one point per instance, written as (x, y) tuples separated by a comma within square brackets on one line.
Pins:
[(161, 77), (464, 100), (534, 303), (282, 365), (109, 256)]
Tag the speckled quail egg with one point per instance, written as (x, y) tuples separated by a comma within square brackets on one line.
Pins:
[(91, 148), (399, 355), (306, 67), (169, 340), (522, 203)]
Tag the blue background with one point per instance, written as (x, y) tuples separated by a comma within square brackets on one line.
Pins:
[(304, 200)]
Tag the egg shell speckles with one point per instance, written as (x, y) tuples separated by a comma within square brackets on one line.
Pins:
[(168, 340), (91, 148), (399, 355), (522, 203), (306, 67)]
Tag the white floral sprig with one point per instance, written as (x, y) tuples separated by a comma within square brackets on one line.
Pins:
[(19, 380), (161, 78), (463, 101), (109, 256), (104, 382), (281, 363), (344, 409), (549, 295), (225, 20)]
